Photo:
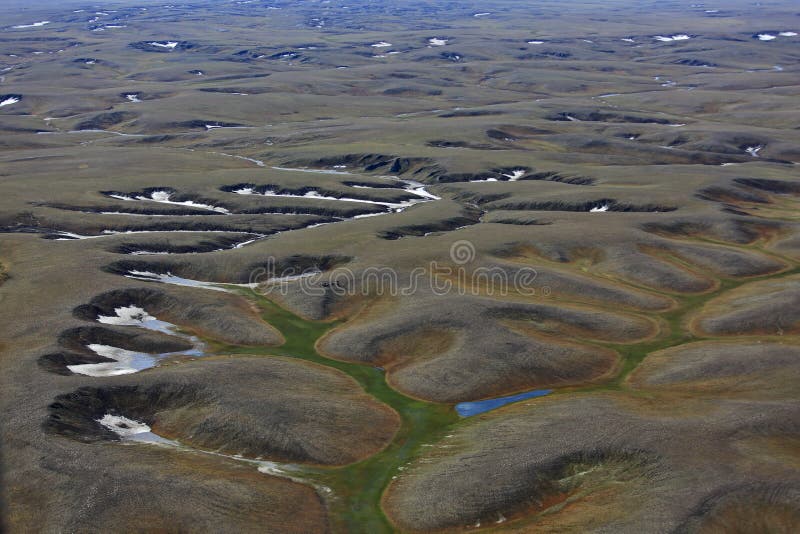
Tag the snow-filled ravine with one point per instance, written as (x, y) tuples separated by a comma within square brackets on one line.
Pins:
[(410, 186), (124, 361), (163, 197), (9, 100), (169, 278)]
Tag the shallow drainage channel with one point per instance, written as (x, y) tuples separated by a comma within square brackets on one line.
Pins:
[(132, 431)]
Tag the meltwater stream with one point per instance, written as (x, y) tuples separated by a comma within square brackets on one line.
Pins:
[(132, 431), (169, 278)]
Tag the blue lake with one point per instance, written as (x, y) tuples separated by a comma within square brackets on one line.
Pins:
[(468, 409)]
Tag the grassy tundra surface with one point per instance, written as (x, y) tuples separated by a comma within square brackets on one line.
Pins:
[(607, 192)]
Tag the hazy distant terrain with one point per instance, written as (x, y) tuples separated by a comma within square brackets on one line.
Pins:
[(328, 266)]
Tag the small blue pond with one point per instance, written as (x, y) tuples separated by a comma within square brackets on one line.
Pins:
[(468, 409)]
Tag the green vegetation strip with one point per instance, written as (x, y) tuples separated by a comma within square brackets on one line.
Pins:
[(355, 503), (357, 488), (676, 329)]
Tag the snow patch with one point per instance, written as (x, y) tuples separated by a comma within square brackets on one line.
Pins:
[(33, 25), (135, 316), (163, 197), (122, 426), (126, 316), (515, 175), (671, 38), (753, 150), (130, 430), (124, 362), (164, 44), (169, 278), (9, 101)]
